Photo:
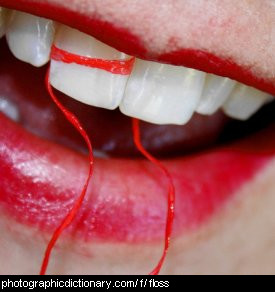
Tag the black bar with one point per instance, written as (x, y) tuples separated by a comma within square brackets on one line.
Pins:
[(46, 283)]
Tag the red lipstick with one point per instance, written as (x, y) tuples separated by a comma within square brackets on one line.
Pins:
[(40, 181)]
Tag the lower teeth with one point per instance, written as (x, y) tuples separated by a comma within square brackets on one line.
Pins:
[(9, 109)]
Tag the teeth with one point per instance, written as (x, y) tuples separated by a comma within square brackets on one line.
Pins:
[(89, 85), (215, 93), (156, 93), (8, 108), (30, 38), (3, 19), (162, 94), (244, 101)]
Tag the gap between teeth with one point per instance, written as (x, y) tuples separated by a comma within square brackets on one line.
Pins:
[(154, 92)]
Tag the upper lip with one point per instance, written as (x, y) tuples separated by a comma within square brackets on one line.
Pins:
[(125, 40)]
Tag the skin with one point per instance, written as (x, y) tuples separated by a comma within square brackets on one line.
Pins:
[(237, 240)]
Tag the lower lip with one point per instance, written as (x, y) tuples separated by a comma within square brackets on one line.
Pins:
[(40, 180)]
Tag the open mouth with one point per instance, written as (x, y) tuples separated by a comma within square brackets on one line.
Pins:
[(186, 119)]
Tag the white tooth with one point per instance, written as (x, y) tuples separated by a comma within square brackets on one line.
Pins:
[(30, 38), (9, 109), (100, 154), (3, 20), (215, 93), (89, 85), (244, 101), (162, 94)]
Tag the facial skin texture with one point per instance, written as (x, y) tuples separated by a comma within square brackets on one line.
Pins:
[(240, 239)]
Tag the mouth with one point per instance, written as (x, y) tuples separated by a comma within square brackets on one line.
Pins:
[(186, 116)]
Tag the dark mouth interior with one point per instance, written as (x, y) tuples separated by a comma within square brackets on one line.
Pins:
[(110, 131)]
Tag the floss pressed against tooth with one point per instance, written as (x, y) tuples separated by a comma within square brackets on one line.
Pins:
[(89, 85)]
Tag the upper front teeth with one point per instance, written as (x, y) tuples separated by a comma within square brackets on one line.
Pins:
[(89, 85), (216, 91), (162, 94), (157, 93), (30, 37)]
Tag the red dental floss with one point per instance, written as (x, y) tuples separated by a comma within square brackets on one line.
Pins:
[(72, 213), (115, 67), (171, 194), (121, 67)]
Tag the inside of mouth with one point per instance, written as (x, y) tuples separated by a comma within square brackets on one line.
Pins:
[(24, 98)]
